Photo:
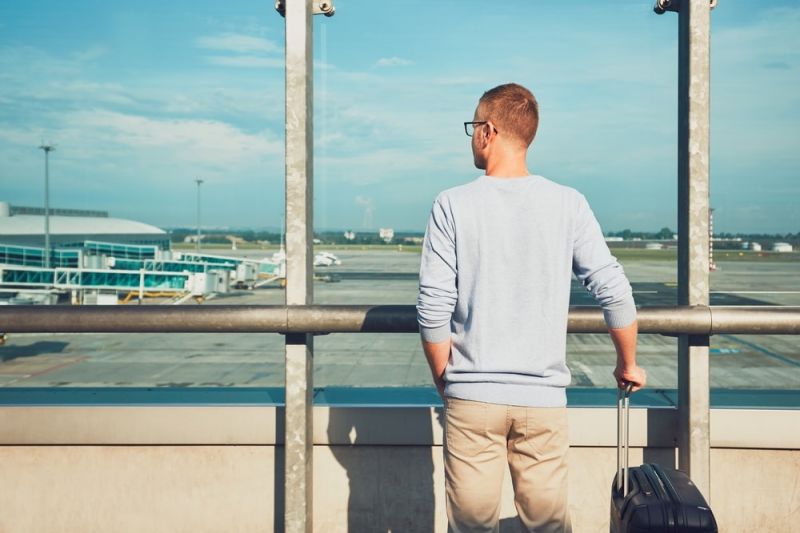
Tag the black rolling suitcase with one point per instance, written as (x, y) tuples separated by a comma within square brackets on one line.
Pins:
[(650, 498)]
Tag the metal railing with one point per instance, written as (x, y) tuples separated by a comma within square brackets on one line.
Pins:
[(321, 319)]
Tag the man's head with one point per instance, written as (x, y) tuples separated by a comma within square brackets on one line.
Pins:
[(511, 116)]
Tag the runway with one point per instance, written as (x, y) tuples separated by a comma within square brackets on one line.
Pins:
[(396, 360)]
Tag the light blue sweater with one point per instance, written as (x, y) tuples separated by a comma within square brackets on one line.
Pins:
[(495, 277)]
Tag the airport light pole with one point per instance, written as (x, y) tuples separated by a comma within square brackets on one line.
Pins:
[(197, 242), (47, 149)]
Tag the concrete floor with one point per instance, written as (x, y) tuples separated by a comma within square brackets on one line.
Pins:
[(389, 277)]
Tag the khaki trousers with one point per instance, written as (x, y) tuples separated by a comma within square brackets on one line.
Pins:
[(480, 439)]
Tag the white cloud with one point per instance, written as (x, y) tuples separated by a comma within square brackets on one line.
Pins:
[(245, 51), (25, 63), (393, 62), (396, 165), (143, 166), (90, 53), (246, 61), (239, 43), (622, 126), (754, 97), (91, 133), (23, 136), (363, 201), (79, 90)]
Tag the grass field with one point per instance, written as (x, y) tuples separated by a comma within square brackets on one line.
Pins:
[(219, 248), (623, 254), (640, 254)]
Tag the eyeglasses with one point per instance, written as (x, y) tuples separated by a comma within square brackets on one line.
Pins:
[(469, 127)]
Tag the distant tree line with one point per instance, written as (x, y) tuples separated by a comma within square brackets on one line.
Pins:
[(723, 240), (220, 236), (627, 234), (783, 237), (367, 237)]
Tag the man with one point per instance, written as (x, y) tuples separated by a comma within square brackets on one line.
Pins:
[(494, 297)]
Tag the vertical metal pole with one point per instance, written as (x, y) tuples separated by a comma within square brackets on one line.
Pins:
[(693, 244), (47, 149), (197, 242), (299, 271), (47, 208)]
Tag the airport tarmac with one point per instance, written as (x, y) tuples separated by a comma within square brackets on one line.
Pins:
[(395, 360)]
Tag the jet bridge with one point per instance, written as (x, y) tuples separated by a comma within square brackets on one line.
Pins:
[(126, 251), (34, 257), (80, 278), (92, 266), (154, 265)]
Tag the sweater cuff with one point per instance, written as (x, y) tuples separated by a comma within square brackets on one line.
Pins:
[(439, 334), (620, 317)]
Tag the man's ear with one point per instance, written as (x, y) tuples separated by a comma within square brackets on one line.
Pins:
[(486, 132)]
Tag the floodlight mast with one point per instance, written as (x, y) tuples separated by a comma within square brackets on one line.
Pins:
[(47, 149), (197, 241)]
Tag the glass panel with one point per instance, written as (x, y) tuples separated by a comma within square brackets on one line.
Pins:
[(755, 362), (755, 127), (166, 121), (591, 359), (143, 102), (754, 166), (369, 360), (142, 360), (393, 89)]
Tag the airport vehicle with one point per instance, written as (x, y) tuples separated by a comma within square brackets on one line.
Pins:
[(326, 259), (279, 256)]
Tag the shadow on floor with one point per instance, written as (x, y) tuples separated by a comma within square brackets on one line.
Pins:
[(11, 352)]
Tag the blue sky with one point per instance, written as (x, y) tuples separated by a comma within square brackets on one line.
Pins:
[(143, 97)]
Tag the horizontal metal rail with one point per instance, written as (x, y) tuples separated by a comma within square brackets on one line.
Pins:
[(319, 319)]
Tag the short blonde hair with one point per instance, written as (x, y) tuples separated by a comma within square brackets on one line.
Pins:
[(514, 110)]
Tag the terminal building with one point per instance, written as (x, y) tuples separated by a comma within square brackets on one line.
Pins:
[(24, 226), (97, 259)]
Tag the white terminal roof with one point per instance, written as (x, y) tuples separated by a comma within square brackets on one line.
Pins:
[(60, 225)]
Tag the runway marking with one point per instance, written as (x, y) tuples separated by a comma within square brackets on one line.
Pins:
[(755, 292), (724, 351), (762, 350), (588, 372)]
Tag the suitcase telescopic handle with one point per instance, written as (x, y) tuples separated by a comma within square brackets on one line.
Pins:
[(623, 435)]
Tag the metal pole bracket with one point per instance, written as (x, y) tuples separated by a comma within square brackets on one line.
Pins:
[(662, 6), (324, 7)]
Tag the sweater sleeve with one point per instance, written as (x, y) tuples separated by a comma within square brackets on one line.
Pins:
[(437, 275), (599, 271)]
